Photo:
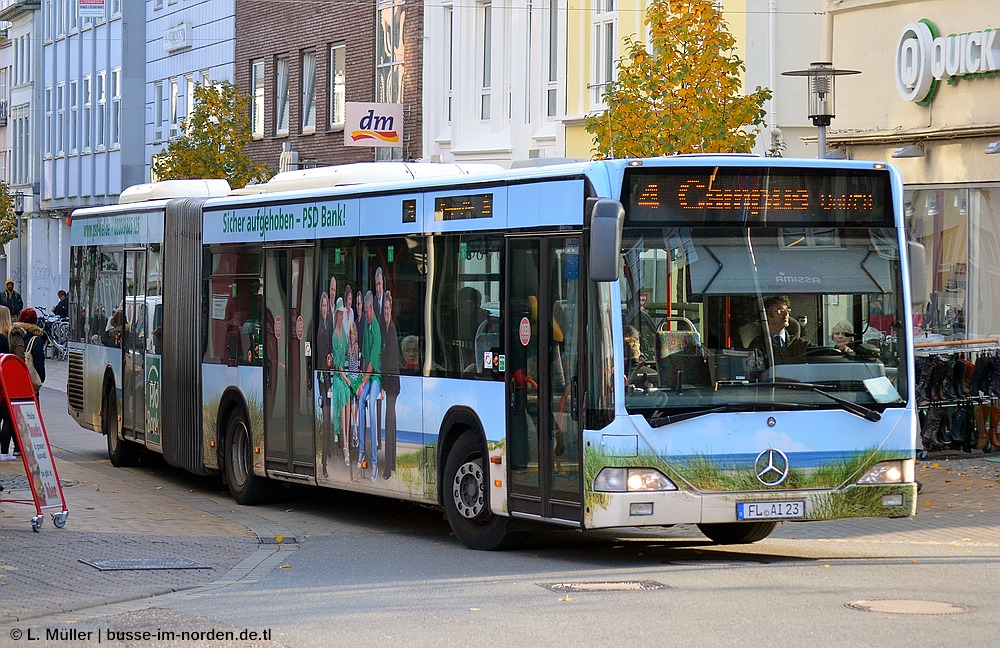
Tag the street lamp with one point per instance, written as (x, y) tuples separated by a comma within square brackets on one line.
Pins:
[(19, 212), (822, 77)]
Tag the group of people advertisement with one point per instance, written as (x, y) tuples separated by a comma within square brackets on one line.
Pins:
[(357, 352)]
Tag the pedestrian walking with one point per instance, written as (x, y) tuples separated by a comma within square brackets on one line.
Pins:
[(12, 300)]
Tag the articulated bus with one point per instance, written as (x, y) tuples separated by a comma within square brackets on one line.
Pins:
[(618, 343)]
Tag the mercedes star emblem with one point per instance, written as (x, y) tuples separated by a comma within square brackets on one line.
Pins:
[(771, 467)]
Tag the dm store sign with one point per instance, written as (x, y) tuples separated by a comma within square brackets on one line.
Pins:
[(372, 124)]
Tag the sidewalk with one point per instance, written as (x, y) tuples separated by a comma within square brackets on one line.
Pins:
[(141, 513)]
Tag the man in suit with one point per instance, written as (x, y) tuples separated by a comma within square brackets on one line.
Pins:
[(785, 346)]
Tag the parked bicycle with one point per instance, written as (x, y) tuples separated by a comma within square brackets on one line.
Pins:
[(57, 331)]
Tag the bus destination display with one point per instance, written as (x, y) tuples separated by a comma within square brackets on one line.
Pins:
[(451, 208), (726, 195)]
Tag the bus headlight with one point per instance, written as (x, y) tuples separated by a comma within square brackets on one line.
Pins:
[(621, 480), (884, 472)]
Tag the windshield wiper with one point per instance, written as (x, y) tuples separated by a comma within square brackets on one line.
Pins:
[(659, 420), (850, 406)]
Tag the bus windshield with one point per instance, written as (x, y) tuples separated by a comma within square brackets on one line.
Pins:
[(761, 317)]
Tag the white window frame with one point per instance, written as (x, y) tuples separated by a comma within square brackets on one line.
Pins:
[(338, 85), (116, 107), (50, 124), (60, 147), (74, 116), (605, 49), (553, 63), (87, 101), (282, 95), (101, 123), (257, 70), (308, 64), (449, 60), (189, 97), (484, 59)]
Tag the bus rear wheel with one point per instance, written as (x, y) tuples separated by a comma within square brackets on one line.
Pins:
[(466, 498), (244, 485), (737, 532), (122, 453)]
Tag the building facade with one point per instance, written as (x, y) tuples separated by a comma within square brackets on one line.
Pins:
[(188, 42), (303, 65), (928, 104)]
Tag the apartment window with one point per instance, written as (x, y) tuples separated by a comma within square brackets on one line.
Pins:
[(189, 95), (100, 133), (158, 111), (74, 14), (60, 119), (174, 105), (116, 106), (87, 99), (282, 96), (484, 36), (50, 123), (74, 116), (605, 49), (22, 144), (257, 100), (389, 51), (116, 7), (60, 12), (309, 91), (552, 81), (449, 56), (157, 4), (338, 88), (49, 17)]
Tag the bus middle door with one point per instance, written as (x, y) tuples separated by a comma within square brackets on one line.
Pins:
[(289, 413)]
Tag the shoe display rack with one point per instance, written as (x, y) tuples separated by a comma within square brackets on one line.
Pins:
[(958, 395)]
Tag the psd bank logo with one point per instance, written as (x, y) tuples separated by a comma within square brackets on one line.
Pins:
[(372, 124), (923, 58)]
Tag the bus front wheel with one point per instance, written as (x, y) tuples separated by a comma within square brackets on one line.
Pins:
[(244, 485), (122, 453), (466, 498), (737, 532)]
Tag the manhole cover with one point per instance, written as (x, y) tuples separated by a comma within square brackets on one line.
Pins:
[(904, 606), (123, 564), (606, 586)]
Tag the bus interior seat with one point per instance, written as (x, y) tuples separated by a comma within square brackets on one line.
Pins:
[(682, 357)]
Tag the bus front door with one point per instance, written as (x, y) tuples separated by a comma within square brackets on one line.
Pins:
[(542, 375), (289, 418)]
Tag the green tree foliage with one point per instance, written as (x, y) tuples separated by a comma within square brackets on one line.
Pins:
[(8, 220), (681, 95), (215, 135)]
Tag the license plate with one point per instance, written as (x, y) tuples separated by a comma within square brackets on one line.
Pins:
[(775, 510)]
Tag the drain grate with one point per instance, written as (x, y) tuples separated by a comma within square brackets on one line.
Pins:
[(126, 564), (283, 540), (605, 586), (904, 606)]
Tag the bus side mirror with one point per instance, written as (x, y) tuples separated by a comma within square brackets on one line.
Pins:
[(606, 219), (918, 273)]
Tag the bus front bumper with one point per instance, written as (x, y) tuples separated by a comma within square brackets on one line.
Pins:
[(665, 508)]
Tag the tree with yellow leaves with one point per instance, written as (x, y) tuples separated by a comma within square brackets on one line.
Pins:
[(215, 135), (682, 92), (8, 220)]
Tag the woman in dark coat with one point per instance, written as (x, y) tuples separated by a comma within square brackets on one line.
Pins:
[(390, 384)]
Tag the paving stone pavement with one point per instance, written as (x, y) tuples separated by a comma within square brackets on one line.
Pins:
[(41, 573), (182, 517)]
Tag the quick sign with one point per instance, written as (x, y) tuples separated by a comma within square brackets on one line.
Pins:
[(372, 124), (923, 58)]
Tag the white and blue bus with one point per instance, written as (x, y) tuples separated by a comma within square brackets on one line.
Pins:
[(711, 340)]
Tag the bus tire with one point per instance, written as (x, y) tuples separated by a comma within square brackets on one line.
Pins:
[(466, 498), (737, 532), (244, 485), (122, 453)]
